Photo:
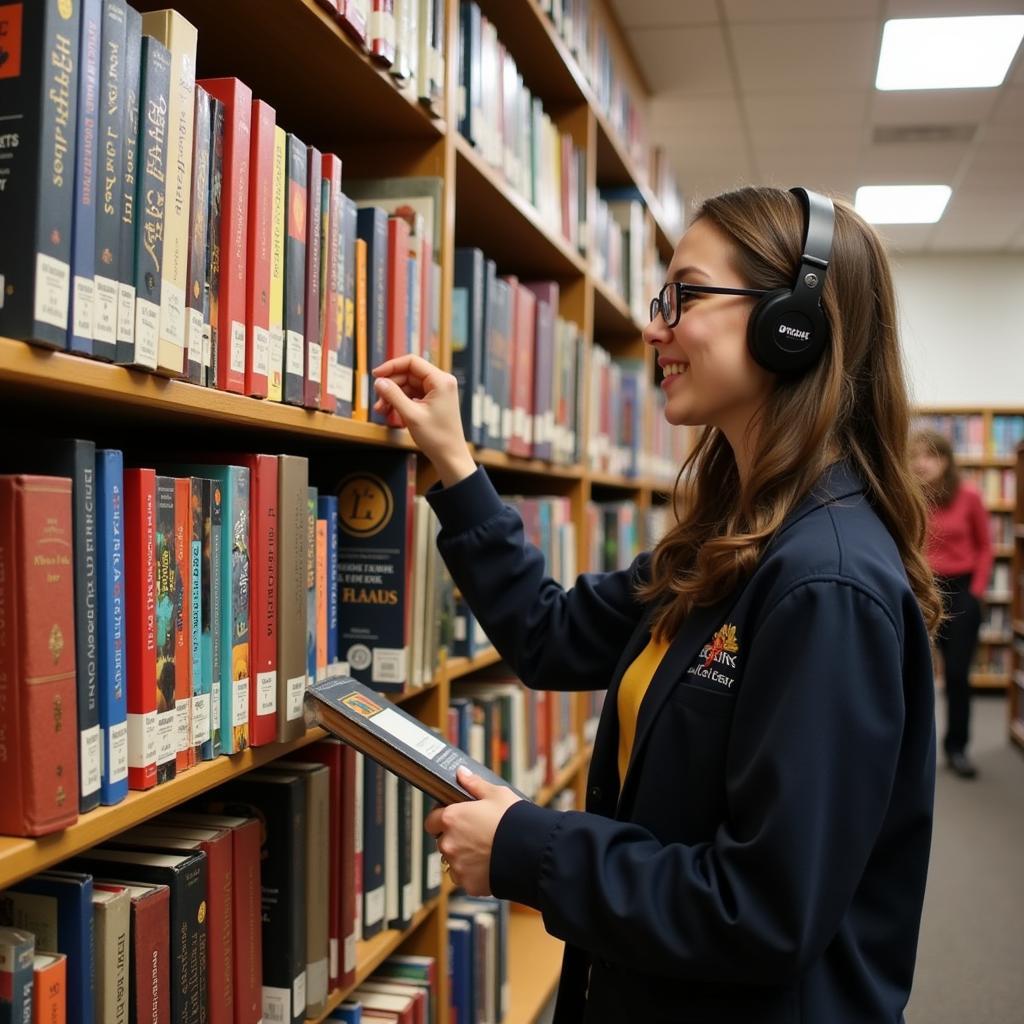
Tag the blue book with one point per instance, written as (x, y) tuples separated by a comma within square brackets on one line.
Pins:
[(372, 227), (83, 229), (461, 968), (311, 616), (59, 903), (348, 1011), (467, 338), (110, 625), (328, 509), (17, 950), (470, 906)]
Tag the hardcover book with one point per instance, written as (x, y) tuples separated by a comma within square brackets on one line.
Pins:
[(111, 908), (50, 988), (17, 958), (293, 548), (347, 308), (331, 312), (261, 213), (314, 353), (184, 752), (196, 320), (372, 229), (295, 274), (275, 381), (166, 599), (129, 187), (211, 301)]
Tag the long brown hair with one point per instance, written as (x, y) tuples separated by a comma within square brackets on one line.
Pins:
[(853, 404), (943, 491)]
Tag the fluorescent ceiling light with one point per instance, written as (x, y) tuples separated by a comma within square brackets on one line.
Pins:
[(902, 204), (948, 53)]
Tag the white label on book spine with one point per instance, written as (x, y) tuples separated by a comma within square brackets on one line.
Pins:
[(407, 899), (82, 307), (276, 351), (207, 345), (389, 665), (334, 958), (266, 693), (374, 907), (117, 752), (183, 714), (261, 351), (90, 757), (333, 378), (166, 737), (214, 708), (350, 941), (460, 628), (240, 702), (381, 25), (299, 995), (142, 740), (172, 315), (476, 416), (195, 335), (237, 347), (53, 287), (316, 355), (296, 689), (434, 871), (293, 353), (345, 377), (317, 980), (201, 718), (275, 1005), (409, 733), (125, 313), (105, 310), (147, 330)]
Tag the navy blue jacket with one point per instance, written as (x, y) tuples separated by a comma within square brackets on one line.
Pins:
[(766, 858)]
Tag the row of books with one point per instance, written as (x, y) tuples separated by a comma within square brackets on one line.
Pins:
[(999, 581), (994, 485), (519, 364), (967, 434), (621, 241), (402, 990), (995, 622), (1001, 528), (992, 660), (612, 534), (500, 117), (478, 955)]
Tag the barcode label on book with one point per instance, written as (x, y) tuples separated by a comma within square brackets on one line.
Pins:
[(201, 718), (126, 313), (237, 347), (261, 351), (53, 280), (105, 310), (374, 910), (91, 745), (117, 754), (195, 336), (296, 688), (316, 355), (275, 1005), (299, 995), (333, 378), (409, 733), (389, 664), (345, 376), (142, 740), (147, 331), (293, 355), (166, 737), (183, 715), (350, 943), (214, 708), (266, 693), (240, 704), (276, 353)]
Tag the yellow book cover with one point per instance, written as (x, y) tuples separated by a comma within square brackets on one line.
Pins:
[(361, 408), (274, 380)]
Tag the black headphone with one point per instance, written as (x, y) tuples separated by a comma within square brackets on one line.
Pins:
[(788, 331)]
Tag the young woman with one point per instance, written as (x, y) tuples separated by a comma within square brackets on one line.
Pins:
[(759, 801), (960, 553)]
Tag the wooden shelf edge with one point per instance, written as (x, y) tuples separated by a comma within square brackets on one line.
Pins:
[(604, 291), (535, 960), (20, 857), (458, 667), (990, 680), (502, 460), (563, 778)]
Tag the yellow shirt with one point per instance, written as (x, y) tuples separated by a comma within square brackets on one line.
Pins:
[(631, 694)]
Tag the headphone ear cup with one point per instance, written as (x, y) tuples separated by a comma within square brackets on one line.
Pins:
[(782, 337)]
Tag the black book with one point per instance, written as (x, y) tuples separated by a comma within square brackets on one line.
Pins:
[(467, 332), (185, 876), (278, 801), (129, 172), (109, 179), (211, 299), (295, 273), (374, 848), (372, 228), (406, 898), (38, 109)]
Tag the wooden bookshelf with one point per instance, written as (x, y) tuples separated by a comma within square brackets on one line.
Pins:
[(1015, 704), (535, 961)]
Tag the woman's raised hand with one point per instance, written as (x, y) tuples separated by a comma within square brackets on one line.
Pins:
[(415, 394)]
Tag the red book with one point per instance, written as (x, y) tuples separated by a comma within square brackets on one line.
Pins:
[(150, 954), (314, 235), (261, 225), (398, 285), (381, 31), (234, 220), (140, 623), (352, 15), (524, 314), (330, 216), (38, 722), (49, 988), (426, 268), (185, 756)]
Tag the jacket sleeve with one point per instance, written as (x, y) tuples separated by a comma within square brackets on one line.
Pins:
[(554, 639), (812, 759)]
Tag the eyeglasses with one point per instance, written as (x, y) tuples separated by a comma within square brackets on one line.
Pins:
[(669, 301)]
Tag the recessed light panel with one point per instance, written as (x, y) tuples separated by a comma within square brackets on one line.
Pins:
[(902, 204)]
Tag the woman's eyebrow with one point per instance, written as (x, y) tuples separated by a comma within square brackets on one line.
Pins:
[(687, 274)]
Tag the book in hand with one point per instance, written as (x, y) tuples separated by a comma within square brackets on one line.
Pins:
[(376, 727)]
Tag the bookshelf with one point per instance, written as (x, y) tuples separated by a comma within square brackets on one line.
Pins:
[(296, 57), (1016, 692)]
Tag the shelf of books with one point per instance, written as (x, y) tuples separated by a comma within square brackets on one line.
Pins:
[(984, 442), (1016, 638), (228, 215)]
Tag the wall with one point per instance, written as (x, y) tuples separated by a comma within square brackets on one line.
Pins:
[(962, 327)]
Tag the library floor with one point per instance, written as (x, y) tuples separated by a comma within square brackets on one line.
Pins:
[(969, 958)]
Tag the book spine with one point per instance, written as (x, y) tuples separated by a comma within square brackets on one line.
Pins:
[(263, 549), (37, 662), (328, 511), (196, 322), (183, 623), (261, 212), (312, 614), (111, 923), (49, 990), (397, 287), (199, 630), (125, 348), (110, 626), (331, 311), (275, 380), (190, 950), (381, 31), (150, 985), (150, 198), (373, 849), (218, 684), (467, 322), (345, 360), (373, 229), (110, 179), (234, 620), (321, 598), (211, 299), (361, 382), (17, 955), (295, 274), (291, 599), (349, 905), (180, 38), (314, 353), (166, 593), (140, 624)]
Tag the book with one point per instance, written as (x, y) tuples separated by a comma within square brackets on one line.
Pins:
[(182, 624), (327, 510), (331, 267), (110, 647), (381, 31), (373, 833), (17, 975), (211, 293), (129, 188), (166, 568), (180, 38), (49, 988), (314, 349), (361, 358), (312, 613), (40, 101), (275, 380), (149, 952), (321, 596), (39, 758), (202, 616), (261, 214), (372, 229), (467, 334), (397, 288), (461, 963), (373, 725), (345, 359), (295, 273), (196, 315), (111, 907)]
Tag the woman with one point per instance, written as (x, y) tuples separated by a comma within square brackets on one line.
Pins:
[(960, 553), (759, 800)]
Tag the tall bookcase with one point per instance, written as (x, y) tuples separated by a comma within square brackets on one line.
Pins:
[(326, 89), (1016, 706)]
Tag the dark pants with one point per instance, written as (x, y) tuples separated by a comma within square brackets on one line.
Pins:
[(957, 640)]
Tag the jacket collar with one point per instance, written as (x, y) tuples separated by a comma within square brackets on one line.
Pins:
[(838, 481)]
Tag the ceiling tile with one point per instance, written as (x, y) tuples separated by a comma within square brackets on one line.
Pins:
[(905, 237), (800, 10), (661, 13), (982, 219), (805, 110), (709, 117), (830, 56), (915, 163), (932, 106), (808, 142), (687, 61), (995, 166)]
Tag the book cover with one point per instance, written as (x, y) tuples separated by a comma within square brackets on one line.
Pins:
[(261, 213), (547, 295), (180, 38), (196, 321), (39, 99), (293, 516), (17, 975), (372, 229), (76, 458), (331, 312), (110, 604), (275, 380), (345, 359), (184, 754), (202, 616), (149, 952), (211, 295), (236, 98), (490, 410), (295, 274), (321, 597), (361, 382), (312, 613), (467, 331), (109, 178), (383, 731), (111, 910), (328, 512), (166, 599), (314, 230), (524, 338), (39, 759), (49, 988), (129, 186)]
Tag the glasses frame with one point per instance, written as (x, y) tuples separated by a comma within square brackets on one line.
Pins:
[(659, 304)]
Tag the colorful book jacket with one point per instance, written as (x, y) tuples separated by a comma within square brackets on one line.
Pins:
[(211, 305), (196, 321), (129, 187), (184, 753), (202, 649), (314, 349), (166, 596), (295, 274), (275, 380)]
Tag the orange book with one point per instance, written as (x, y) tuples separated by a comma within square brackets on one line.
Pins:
[(361, 406), (321, 598), (49, 991)]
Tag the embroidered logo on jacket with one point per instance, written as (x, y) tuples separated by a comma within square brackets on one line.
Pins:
[(717, 660)]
